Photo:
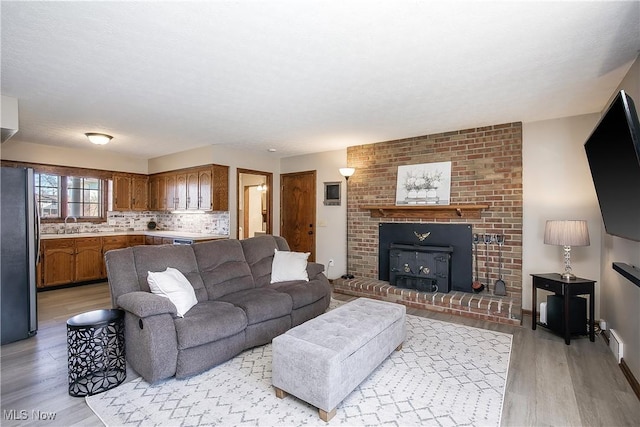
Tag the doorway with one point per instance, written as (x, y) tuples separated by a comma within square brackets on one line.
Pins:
[(298, 211), (255, 203)]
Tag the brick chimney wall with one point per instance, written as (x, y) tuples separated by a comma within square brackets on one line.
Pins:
[(486, 169)]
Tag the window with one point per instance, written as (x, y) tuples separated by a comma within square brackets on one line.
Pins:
[(61, 196), (48, 194)]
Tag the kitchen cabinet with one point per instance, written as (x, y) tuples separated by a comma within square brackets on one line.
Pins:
[(88, 259), (220, 188), (114, 242), (58, 262), (130, 192), (135, 240), (154, 192), (181, 192), (192, 190), (162, 192), (157, 240), (140, 193), (203, 188), (170, 192), (80, 259), (121, 192)]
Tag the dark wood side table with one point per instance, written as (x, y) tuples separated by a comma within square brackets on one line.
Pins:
[(566, 288)]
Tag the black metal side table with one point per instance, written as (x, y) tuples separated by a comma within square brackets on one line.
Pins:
[(95, 348)]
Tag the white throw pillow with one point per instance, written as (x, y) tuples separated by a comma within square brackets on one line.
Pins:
[(173, 285), (289, 266)]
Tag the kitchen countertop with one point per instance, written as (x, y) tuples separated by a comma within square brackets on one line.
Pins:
[(158, 233)]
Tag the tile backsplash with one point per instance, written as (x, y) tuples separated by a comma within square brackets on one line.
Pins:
[(206, 223)]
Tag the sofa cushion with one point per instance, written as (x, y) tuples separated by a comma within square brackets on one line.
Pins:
[(223, 267), (209, 321), (261, 304), (259, 251), (172, 284), (288, 266), (303, 293), (158, 258)]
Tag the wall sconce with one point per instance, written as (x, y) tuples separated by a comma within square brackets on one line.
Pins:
[(98, 138), (567, 233), (262, 187)]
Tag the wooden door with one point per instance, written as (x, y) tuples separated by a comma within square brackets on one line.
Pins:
[(162, 193), (88, 259), (298, 211)]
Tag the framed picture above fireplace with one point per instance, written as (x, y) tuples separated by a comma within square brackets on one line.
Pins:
[(424, 184)]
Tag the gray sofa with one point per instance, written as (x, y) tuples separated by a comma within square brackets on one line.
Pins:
[(238, 308)]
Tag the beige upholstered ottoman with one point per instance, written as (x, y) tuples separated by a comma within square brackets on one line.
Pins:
[(326, 358)]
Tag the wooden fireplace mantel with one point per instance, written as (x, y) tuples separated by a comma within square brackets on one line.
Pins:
[(427, 211)]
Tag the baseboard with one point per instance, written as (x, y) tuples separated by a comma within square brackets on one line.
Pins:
[(633, 382)]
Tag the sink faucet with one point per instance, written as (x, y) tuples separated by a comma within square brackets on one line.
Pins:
[(65, 222)]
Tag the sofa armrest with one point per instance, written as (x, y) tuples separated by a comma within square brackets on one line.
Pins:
[(145, 304), (313, 269)]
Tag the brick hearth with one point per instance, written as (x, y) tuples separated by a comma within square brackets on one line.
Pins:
[(478, 306)]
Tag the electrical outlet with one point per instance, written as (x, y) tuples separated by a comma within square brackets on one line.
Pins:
[(331, 262)]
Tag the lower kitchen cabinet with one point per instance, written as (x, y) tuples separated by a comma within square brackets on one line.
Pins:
[(77, 260), (135, 240), (88, 259), (58, 262)]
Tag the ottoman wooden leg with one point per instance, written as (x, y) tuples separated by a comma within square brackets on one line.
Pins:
[(326, 416), (280, 394), (398, 348)]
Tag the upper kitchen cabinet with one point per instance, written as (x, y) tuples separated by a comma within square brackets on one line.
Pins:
[(220, 188), (203, 188), (130, 192), (158, 193)]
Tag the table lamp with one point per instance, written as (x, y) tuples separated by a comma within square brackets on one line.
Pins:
[(566, 233)]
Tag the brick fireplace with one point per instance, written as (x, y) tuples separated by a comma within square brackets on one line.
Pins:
[(486, 170)]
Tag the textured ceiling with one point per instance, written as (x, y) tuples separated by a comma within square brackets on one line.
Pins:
[(304, 76)]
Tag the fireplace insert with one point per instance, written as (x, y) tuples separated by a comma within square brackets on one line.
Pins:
[(424, 268), (454, 240)]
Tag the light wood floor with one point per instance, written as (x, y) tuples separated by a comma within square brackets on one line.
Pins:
[(549, 383)]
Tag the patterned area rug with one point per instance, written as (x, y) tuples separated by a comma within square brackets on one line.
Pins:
[(445, 375)]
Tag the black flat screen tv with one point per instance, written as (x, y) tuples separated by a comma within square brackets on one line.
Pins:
[(613, 152)]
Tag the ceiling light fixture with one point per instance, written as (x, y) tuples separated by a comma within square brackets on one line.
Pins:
[(98, 138)]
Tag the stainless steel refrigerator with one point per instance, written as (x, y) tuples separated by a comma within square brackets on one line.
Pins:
[(19, 246)]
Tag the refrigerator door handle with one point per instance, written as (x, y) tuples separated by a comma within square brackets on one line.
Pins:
[(37, 225)]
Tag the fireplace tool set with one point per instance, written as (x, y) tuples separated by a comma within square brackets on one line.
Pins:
[(499, 287)]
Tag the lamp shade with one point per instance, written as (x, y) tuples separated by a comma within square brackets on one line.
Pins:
[(566, 233), (347, 172)]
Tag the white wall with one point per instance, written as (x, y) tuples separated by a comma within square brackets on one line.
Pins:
[(557, 185), (620, 298), (92, 158), (331, 221), (265, 162)]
